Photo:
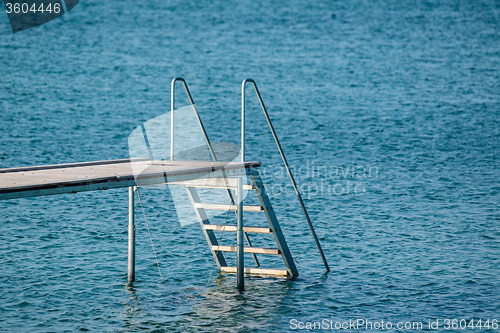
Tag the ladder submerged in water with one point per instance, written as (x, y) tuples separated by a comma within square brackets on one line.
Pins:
[(230, 184), (264, 207), (193, 174)]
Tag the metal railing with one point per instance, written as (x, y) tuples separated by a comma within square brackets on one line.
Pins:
[(243, 85), (172, 108), (212, 152)]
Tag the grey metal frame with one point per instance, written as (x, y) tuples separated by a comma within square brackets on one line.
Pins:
[(243, 85), (271, 217)]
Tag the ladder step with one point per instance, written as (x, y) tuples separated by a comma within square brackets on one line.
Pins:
[(257, 271), (245, 187), (228, 207), (257, 250), (222, 183), (218, 227)]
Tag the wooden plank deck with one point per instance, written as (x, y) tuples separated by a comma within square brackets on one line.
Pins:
[(103, 175)]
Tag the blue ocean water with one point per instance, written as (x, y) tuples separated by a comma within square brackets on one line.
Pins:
[(389, 111)]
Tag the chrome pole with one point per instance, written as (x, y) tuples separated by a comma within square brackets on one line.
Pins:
[(131, 236), (243, 119), (240, 264)]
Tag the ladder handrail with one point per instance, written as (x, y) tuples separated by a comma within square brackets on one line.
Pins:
[(243, 85), (212, 152), (172, 108)]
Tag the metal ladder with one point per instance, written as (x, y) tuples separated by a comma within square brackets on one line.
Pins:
[(264, 207)]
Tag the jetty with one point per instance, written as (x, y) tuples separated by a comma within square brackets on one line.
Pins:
[(45, 180)]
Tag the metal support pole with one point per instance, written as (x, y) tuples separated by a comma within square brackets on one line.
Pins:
[(131, 236), (240, 265)]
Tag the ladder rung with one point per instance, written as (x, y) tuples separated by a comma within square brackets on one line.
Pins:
[(218, 227), (221, 183), (245, 187), (257, 271), (257, 250), (228, 207)]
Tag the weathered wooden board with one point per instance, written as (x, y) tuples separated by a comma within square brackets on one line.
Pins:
[(102, 175)]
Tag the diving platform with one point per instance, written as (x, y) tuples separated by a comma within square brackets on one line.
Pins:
[(189, 167), (103, 175), (135, 173)]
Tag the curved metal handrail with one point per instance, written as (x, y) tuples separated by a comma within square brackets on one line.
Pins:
[(212, 152), (172, 108), (243, 85)]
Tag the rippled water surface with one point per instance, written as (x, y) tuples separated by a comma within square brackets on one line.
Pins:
[(389, 111)]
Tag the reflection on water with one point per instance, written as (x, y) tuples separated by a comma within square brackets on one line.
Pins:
[(216, 308), (133, 309)]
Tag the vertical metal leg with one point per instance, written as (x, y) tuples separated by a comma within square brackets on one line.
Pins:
[(131, 236), (240, 267), (244, 233)]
